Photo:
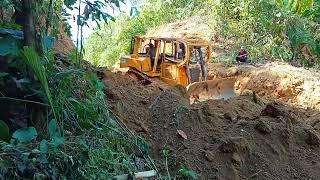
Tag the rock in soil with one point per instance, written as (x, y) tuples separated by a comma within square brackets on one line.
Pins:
[(263, 127), (313, 137), (235, 144)]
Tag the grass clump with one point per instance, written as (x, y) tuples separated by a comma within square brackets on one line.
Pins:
[(75, 135)]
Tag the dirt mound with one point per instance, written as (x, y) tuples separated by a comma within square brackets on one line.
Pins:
[(241, 138), (129, 99), (293, 85), (180, 28), (64, 45)]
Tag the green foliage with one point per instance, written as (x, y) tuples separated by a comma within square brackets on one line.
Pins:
[(54, 132), (251, 24), (9, 4), (55, 135), (103, 156), (9, 45), (94, 145), (24, 154), (77, 97), (48, 42), (165, 152), (44, 146), (108, 44), (3, 74), (32, 59), (88, 142), (187, 173), (296, 6), (93, 11), (10, 25), (99, 143), (25, 134), (4, 131), (274, 30), (69, 3), (265, 29)]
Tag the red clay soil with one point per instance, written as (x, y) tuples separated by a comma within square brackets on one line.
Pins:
[(245, 137)]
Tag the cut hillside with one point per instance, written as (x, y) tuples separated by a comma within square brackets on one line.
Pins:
[(195, 25), (293, 85), (245, 137), (192, 25)]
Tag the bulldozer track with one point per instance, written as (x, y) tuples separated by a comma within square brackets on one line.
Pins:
[(138, 76)]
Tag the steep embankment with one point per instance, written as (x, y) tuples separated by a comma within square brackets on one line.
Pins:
[(243, 137)]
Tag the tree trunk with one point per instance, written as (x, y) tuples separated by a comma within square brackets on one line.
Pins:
[(49, 17), (28, 25), (1, 14)]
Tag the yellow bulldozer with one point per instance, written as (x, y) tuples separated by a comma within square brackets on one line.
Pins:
[(176, 61)]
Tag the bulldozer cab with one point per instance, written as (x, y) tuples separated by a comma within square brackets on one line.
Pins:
[(142, 57), (184, 60), (173, 60)]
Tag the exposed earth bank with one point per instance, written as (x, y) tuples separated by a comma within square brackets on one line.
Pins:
[(246, 137), (281, 81)]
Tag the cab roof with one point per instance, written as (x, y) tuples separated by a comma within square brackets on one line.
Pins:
[(190, 40)]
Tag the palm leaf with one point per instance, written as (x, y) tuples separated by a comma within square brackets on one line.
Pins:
[(32, 59)]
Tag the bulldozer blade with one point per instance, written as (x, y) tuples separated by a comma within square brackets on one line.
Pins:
[(212, 89)]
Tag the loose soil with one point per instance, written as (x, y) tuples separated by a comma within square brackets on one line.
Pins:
[(292, 85), (245, 137)]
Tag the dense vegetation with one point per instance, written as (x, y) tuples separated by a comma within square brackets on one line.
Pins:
[(274, 30), (54, 120)]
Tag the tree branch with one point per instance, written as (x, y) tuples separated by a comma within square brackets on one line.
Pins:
[(23, 100)]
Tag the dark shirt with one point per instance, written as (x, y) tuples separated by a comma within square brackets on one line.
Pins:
[(242, 56), (242, 53)]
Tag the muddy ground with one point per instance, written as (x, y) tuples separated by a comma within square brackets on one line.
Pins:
[(246, 137)]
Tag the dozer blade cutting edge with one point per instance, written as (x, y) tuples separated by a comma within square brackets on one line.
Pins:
[(212, 89)]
